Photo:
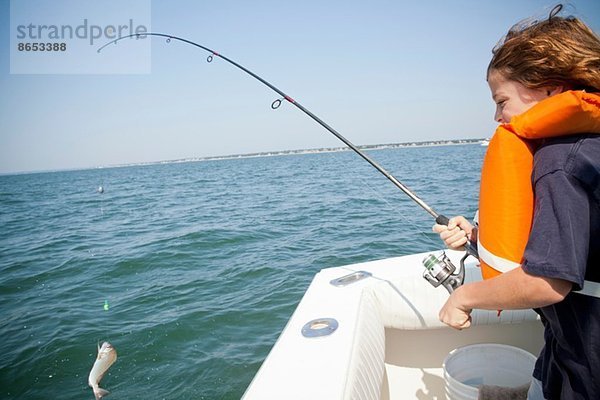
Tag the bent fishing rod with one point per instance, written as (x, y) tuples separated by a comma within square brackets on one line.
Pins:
[(439, 218)]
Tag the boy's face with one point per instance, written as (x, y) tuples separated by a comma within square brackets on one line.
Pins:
[(513, 98)]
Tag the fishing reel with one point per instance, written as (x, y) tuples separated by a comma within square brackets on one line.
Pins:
[(440, 271)]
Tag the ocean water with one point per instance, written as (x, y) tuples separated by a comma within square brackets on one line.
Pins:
[(200, 264)]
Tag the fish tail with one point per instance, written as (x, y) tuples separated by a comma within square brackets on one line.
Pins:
[(99, 393)]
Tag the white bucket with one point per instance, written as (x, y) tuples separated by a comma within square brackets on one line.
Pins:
[(467, 368)]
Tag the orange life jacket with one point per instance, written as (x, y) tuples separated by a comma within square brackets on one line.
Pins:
[(506, 194)]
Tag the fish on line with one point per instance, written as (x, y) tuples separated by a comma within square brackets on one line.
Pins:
[(107, 355)]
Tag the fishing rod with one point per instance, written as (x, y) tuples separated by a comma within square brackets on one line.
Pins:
[(439, 218)]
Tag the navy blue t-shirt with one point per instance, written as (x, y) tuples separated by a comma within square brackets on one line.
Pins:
[(565, 244)]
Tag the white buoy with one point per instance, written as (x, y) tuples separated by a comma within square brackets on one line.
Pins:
[(100, 189)]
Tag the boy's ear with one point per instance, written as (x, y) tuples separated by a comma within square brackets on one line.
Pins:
[(552, 90)]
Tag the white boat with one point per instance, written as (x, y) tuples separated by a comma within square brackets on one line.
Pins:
[(485, 142), (381, 337)]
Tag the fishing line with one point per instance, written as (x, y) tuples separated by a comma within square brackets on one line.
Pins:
[(439, 218)]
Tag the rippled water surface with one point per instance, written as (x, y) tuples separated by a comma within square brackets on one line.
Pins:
[(200, 264)]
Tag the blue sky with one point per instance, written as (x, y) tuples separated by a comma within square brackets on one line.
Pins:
[(377, 71)]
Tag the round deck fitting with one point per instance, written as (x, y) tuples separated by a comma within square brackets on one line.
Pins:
[(319, 327)]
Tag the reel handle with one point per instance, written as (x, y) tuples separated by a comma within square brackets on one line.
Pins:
[(470, 249)]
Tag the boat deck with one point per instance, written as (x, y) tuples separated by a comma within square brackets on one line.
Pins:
[(413, 359), (386, 341)]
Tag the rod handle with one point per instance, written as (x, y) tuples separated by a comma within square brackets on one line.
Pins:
[(442, 220), (469, 247)]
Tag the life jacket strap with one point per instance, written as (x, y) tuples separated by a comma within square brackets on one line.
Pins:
[(503, 265), (498, 263)]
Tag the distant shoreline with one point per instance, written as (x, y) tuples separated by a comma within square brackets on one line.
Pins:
[(267, 154), (306, 151)]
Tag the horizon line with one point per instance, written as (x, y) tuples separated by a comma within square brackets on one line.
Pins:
[(272, 153)]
